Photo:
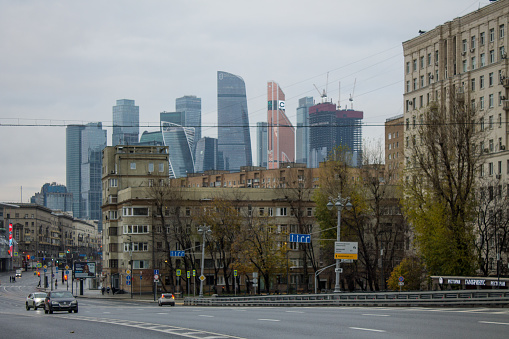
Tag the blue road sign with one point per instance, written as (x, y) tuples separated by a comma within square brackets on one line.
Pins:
[(45, 270), (304, 238), (128, 277), (66, 272), (156, 272), (128, 282), (141, 277), (177, 253)]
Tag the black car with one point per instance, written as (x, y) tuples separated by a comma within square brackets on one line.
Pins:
[(60, 301)]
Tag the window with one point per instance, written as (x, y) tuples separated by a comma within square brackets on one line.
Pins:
[(422, 62), (161, 167), (134, 211), (483, 60), (408, 86), (282, 211), (501, 31), (481, 123), (492, 56), (482, 38), (473, 63), (464, 44), (481, 103), (429, 59), (140, 264), (408, 67), (481, 82), (502, 52), (151, 167), (500, 122), (490, 168), (113, 215), (135, 229), (492, 34), (271, 211), (472, 84), (422, 81), (490, 119), (309, 211), (491, 145), (491, 101), (465, 67), (490, 79), (415, 65), (135, 246), (113, 182), (133, 165), (415, 84)]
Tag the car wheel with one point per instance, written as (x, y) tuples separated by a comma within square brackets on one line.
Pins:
[(69, 311), (35, 308), (27, 307), (76, 311), (50, 311), (45, 311)]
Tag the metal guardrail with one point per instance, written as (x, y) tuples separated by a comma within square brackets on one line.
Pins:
[(493, 298)]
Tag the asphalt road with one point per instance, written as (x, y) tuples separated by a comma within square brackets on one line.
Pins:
[(125, 318)]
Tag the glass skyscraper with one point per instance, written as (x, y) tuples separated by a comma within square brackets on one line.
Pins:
[(180, 140), (280, 132), (93, 141), (302, 131), (261, 143), (126, 122), (206, 155), (234, 139), (191, 106), (73, 165)]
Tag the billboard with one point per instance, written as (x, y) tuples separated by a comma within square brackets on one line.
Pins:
[(84, 269)]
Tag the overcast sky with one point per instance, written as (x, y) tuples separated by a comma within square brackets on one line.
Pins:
[(64, 62)]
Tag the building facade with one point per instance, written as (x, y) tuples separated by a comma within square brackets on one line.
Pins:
[(394, 148), (126, 123), (53, 196), (302, 131), (234, 139), (280, 132), (331, 128), (206, 155)]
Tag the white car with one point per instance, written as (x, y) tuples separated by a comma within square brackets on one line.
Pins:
[(166, 299), (35, 300)]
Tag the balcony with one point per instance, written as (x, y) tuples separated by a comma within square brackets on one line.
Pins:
[(505, 82), (506, 105)]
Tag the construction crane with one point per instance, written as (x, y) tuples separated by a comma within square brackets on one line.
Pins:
[(323, 94), (351, 95)]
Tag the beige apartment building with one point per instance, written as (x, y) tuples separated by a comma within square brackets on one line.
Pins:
[(44, 236), (465, 60), (394, 148)]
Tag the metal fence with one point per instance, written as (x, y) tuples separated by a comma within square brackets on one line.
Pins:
[(491, 298)]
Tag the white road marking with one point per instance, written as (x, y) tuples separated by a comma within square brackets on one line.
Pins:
[(377, 315), (366, 329), (269, 320), (106, 312), (162, 313), (493, 322), (294, 312), (206, 316)]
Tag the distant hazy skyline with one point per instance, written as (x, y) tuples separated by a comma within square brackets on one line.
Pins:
[(66, 62)]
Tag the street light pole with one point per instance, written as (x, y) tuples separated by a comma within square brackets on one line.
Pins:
[(339, 206), (204, 230)]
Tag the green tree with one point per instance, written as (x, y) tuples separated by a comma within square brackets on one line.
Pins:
[(411, 269)]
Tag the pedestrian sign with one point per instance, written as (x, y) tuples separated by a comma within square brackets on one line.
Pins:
[(179, 272), (188, 274), (234, 273)]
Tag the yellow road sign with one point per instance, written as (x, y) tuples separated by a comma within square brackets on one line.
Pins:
[(345, 256)]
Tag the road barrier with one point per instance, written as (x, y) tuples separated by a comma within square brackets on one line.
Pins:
[(491, 298)]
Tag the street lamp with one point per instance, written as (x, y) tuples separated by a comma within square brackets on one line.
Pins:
[(203, 230), (339, 206)]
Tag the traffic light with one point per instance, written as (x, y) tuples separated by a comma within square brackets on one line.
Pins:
[(65, 277), (28, 256), (38, 274), (9, 252)]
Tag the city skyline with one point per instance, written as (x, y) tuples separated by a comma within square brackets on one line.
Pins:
[(71, 71)]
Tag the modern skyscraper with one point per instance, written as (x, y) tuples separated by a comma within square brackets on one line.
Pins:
[(180, 141), (280, 132), (261, 143), (331, 128), (53, 196), (93, 141), (302, 131), (206, 155), (234, 139), (73, 165), (126, 122), (191, 106)]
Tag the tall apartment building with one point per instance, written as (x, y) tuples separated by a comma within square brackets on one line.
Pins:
[(261, 143), (129, 172), (191, 106), (394, 148), (280, 132), (464, 60), (234, 138), (126, 123), (302, 130), (331, 128)]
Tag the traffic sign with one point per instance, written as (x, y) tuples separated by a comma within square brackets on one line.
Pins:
[(177, 253), (179, 272), (45, 266), (234, 273), (45, 270), (401, 278), (66, 272), (346, 250), (128, 277), (194, 273), (303, 238), (340, 270), (128, 271), (66, 267), (156, 271), (141, 277), (128, 282), (401, 283), (255, 280), (188, 274), (202, 277), (345, 256), (156, 276)]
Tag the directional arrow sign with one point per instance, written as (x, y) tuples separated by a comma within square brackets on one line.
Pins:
[(177, 253), (303, 238)]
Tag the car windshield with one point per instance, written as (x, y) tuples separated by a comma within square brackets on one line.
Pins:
[(166, 295), (39, 295), (62, 295)]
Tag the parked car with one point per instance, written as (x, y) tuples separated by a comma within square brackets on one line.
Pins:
[(60, 301), (166, 299), (18, 273), (35, 300)]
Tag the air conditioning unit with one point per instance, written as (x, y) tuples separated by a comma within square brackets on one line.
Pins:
[(486, 150), (431, 76), (502, 147), (504, 56), (410, 103), (498, 176), (463, 53), (112, 172), (502, 97), (472, 49)]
